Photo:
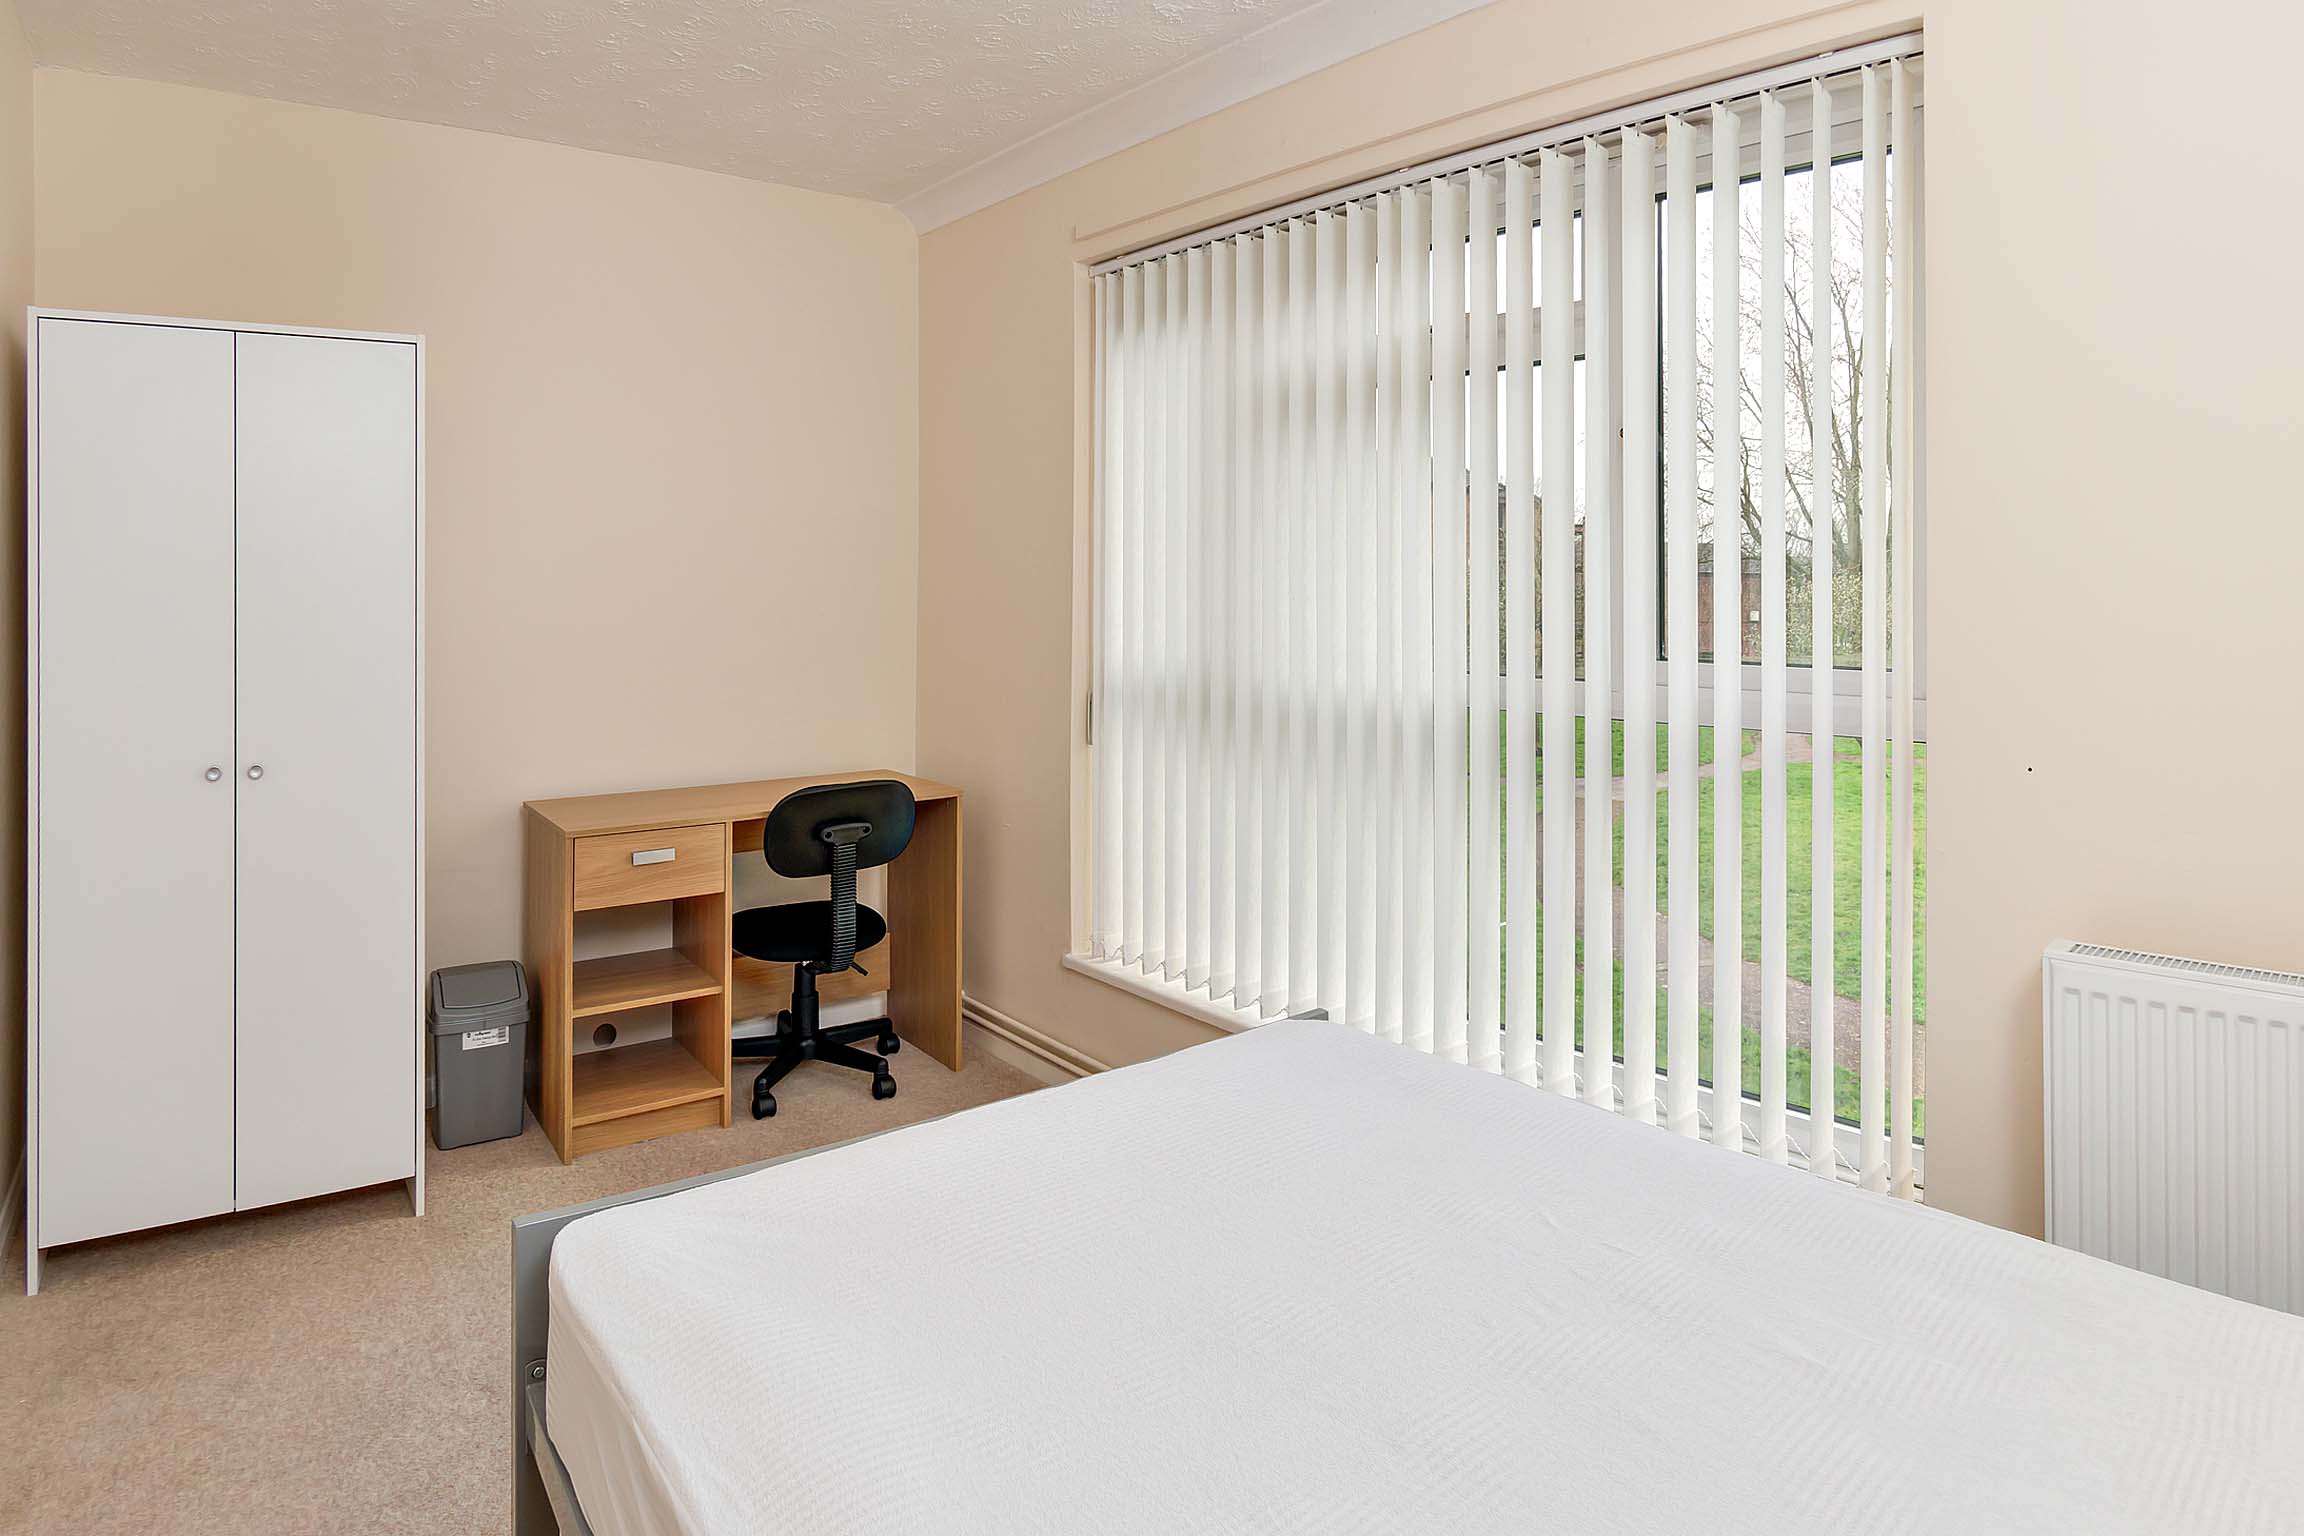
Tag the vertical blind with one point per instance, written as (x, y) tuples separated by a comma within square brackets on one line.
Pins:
[(1442, 530)]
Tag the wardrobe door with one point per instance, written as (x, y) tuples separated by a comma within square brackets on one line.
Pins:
[(131, 642), (326, 775)]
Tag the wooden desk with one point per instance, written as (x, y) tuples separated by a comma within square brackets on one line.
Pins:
[(677, 847)]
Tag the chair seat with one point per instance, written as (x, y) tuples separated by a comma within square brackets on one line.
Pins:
[(800, 930)]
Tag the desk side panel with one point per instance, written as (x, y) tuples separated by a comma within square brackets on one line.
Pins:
[(548, 945), (924, 918)]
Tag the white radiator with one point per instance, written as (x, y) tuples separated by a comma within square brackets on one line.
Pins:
[(2175, 1118)]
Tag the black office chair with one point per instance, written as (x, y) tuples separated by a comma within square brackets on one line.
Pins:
[(836, 830)]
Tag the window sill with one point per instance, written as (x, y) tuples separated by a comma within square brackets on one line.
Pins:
[(1167, 994)]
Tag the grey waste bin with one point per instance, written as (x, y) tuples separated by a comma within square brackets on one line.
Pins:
[(479, 1016)]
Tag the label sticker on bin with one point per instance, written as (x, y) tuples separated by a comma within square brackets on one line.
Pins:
[(485, 1037)]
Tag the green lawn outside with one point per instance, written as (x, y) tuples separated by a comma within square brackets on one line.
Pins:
[(1799, 883), (1799, 829), (1663, 756), (1847, 897), (1798, 1062)]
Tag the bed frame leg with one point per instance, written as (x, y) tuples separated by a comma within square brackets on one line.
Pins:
[(531, 1313), (531, 1507)]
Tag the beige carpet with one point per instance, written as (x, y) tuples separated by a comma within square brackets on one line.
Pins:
[(338, 1365)]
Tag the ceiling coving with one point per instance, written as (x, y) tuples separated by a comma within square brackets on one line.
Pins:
[(871, 98)]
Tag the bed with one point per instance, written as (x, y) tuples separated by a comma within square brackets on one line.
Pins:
[(1305, 1280)]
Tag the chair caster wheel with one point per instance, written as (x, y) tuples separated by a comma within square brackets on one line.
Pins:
[(763, 1106), (889, 1044), (883, 1086)]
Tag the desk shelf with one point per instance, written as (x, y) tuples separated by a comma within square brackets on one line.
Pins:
[(614, 983), (635, 1079)]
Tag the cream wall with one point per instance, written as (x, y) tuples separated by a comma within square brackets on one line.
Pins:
[(15, 293), (2116, 545), (673, 453)]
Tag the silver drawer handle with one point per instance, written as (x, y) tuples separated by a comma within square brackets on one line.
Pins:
[(653, 856)]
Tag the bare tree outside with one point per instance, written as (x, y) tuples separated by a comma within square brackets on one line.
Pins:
[(1851, 353), (1837, 513)]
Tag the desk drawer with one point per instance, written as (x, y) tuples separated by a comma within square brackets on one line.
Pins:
[(619, 869)]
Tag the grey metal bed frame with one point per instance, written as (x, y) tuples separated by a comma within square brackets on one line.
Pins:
[(543, 1500)]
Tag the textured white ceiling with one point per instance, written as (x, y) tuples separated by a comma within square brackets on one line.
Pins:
[(873, 98)]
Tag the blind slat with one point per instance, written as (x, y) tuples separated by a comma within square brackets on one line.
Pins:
[(1225, 583), (1485, 1043), (1872, 1159), (1641, 359), (1601, 233), (1363, 571), (1416, 616), (1727, 357), (1520, 890), (1300, 691), (1556, 561), (1127, 697), (1104, 931), (1159, 455), (1176, 624), (1330, 533), (1683, 701), (1823, 496), (1904, 663), (1272, 610), (1451, 686), (1247, 632), (1384, 615), (1195, 570), (1774, 856)]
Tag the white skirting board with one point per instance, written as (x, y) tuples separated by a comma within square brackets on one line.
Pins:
[(1021, 1046)]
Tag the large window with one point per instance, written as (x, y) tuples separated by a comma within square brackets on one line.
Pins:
[(1339, 494)]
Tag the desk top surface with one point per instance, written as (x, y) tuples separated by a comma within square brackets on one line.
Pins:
[(633, 810)]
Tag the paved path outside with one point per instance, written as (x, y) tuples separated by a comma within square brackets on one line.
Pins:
[(1847, 1012)]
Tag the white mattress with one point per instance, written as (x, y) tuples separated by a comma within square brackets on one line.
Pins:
[(1303, 1280)]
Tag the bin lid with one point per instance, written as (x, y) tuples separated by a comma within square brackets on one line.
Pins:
[(466, 997)]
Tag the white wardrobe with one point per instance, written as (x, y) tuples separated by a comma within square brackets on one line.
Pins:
[(225, 792)]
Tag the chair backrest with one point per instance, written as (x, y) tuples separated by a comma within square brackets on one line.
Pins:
[(794, 840)]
